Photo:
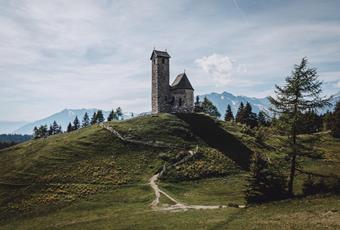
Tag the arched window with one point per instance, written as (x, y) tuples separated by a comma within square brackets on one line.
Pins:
[(180, 102)]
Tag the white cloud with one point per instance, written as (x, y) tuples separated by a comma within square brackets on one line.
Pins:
[(220, 68)]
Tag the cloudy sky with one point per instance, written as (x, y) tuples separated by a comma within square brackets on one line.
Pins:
[(60, 54)]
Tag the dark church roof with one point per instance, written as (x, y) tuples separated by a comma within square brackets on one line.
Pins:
[(181, 82), (159, 54)]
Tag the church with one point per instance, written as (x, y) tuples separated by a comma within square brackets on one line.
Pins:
[(175, 98)]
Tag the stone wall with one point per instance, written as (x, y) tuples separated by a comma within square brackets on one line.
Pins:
[(182, 100)]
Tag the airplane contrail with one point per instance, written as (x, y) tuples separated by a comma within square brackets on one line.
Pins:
[(241, 11)]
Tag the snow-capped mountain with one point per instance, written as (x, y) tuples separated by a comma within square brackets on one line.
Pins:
[(221, 101), (62, 118)]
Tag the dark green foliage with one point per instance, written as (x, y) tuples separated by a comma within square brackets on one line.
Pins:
[(100, 117), (265, 182), (321, 185), (246, 116), (86, 120), (54, 129), (119, 113), (17, 138), (262, 119), (301, 93), (335, 128), (40, 132), (327, 120), (4, 145), (94, 119), (309, 122), (229, 116), (76, 123), (209, 108), (198, 105), (240, 114), (69, 127), (250, 118), (112, 116)]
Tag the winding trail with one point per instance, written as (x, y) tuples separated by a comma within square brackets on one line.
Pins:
[(178, 206)]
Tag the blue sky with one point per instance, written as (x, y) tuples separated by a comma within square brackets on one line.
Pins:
[(60, 54)]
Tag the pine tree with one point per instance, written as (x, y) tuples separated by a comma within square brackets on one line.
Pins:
[(100, 117), (249, 118), (76, 123), (119, 113), (198, 105), (36, 132), (261, 118), (239, 115), (335, 129), (69, 127), (113, 116), (229, 116), (86, 120), (265, 183), (94, 119), (300, 93), (209, 108)]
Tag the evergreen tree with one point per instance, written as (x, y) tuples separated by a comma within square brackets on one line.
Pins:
[(35, 132), (239, 115), (229, 116), (50, 130), (265, 183), (198, 105), (100, 117), (209, 108), (261, 118), (249, 118), (54, 128), (94, 119), (119, 113), (112, 116), (69, 127), (335, 129), (86, 120), (327, 120), (300, 93), (76, 123)]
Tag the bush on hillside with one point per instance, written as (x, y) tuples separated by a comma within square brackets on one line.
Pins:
[(321, 185), (265, 183)]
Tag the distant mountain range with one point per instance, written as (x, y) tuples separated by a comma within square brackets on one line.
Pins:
[(221, 101), (62, 118), (10, 126)]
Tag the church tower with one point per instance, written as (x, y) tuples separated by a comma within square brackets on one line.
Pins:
[(160, 81)]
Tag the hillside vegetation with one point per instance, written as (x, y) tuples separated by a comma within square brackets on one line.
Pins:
[(91, 179)]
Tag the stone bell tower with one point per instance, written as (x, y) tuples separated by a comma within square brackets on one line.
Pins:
[(160, 81)]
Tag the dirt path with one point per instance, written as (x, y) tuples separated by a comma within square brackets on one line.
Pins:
[(177, 206)]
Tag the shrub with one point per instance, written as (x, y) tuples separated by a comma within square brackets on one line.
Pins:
[(265, 182)]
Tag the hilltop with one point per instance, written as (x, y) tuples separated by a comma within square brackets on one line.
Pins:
[(98, 177)]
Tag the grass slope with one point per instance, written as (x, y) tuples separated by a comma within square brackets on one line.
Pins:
[(90, 179)]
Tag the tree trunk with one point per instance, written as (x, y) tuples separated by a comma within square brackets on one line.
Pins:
[(293, 158)]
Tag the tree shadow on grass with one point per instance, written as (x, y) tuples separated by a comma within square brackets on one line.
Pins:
[(216, 137)]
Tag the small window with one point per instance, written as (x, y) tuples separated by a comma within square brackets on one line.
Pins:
[(163, 60), (166, 98), (180, 102)]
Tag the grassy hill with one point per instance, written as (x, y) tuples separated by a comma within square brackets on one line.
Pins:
[(91, 179)]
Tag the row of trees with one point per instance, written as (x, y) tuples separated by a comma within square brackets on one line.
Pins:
[(44, 131), (97, 117), (246, 116)]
